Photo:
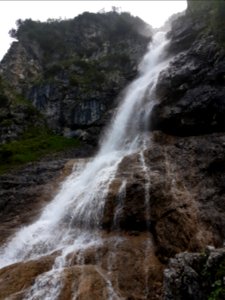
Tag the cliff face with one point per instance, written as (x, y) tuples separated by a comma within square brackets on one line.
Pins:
[(73, 70), (190, 116), (164, 211)]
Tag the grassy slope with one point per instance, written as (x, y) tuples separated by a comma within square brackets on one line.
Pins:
[(31, 147)]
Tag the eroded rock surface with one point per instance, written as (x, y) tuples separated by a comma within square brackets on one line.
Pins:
[(183, 207), (191, 91), (186, 192), (93, 273), (180, 210)]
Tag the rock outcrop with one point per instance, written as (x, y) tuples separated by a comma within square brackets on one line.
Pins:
[(190, 113), (191, 91), (197, 276), (73, 70), (178, 200), (17, 115)]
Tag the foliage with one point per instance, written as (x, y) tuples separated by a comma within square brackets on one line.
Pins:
[(195, 6), (35, 143), (80, 52), (214, 13), (213, 279), (4, 101), (61, 38), (218, 21), (218, 291), (46, 34)]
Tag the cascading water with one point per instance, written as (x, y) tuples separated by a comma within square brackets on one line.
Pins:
[(70, 222)]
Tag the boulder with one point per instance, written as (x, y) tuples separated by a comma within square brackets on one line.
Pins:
[(197, 276)]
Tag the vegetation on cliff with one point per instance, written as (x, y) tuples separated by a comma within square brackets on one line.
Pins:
[(63, 76), (60, 38), (17, 114), (24, 135), (72, 71), (214, 12), (34, 144)]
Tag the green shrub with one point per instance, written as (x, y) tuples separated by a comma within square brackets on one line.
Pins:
[(213, 279), (218, 21)]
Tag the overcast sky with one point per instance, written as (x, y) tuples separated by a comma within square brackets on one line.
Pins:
[(152, 12)]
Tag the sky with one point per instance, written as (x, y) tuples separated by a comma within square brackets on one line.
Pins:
[(154, 13)]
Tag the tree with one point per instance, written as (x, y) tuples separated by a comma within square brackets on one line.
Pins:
[(115, 9), (13, 33)]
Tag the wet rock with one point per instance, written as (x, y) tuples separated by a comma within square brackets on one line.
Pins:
[(201, 110), (177, 196), (16, 278), (95, 272), (184, 30), (191, 90), (161, 203), (86, 282), (126, 205), (26, 191), (186, 207)]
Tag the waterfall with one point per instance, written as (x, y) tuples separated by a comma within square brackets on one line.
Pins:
[(71, 221)]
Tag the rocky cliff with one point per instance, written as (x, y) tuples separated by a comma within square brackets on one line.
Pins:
[(73, 70), (162, 227), (189, 120)]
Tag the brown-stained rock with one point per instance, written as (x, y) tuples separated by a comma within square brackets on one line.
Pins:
[(126, 209), (181, 210), (184, 207), (127, 262), (86, 282), (122, 265), (186, 197), (16, 278)]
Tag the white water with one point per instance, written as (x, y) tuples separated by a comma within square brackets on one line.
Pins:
[(70, 221)]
